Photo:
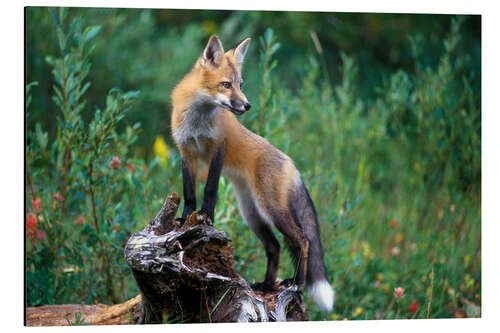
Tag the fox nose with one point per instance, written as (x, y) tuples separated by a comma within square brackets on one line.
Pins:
[(247, 106)]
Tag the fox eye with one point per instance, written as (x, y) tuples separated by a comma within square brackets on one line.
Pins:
[(226, 84)]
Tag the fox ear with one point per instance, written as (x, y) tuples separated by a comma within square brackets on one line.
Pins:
[(213, 52), (241, 49)]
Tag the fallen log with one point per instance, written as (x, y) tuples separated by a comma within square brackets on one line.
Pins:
[(100, 314)]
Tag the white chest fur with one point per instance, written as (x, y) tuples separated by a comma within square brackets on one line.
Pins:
[(196, 129)]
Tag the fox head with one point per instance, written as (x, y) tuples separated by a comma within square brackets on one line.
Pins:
[(221, 75)]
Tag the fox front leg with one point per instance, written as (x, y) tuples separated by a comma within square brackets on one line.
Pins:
[(212, 185), (188, 166)]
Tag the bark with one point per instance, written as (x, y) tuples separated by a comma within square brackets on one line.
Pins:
[(62, 315)]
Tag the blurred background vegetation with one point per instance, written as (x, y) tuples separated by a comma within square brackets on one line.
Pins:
[(380, 112)]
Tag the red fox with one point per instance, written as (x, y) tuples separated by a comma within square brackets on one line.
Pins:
[(269, 189)]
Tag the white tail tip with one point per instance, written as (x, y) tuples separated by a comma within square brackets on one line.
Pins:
[(323, 294)]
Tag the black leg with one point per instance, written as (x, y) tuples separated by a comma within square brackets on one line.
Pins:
[(189, 187), (212, 185), (272, 248), (298, 243)]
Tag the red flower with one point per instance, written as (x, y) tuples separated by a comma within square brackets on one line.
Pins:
[(115, 163), (131, 167), (31, 226), (394, 224), (399, 292), (57, 196), (80, 220), (41, 235), (413, 307), (35, 204)]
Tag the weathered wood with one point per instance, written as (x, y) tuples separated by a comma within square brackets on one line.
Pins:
[(186, 270), (62, 315)]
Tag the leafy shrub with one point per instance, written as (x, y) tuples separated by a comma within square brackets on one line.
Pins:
[(83, 186)]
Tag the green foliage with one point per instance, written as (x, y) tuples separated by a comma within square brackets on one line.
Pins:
[(86, 182), (390, 152)]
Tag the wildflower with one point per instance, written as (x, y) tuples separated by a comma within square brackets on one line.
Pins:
[(160, 150), (413, 246), (80, 220), (379, 276), (395, 251), (469, 282), (131, 167), (31, 226), (335, 316), (115, 163), (366, 250), (376, 285), (413, 306), (41, 235), (452, 208), (357, 311), (399, 292), (400, 237), (394, 223), (56, 198), (35, 204)]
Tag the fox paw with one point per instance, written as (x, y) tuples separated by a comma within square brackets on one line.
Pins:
[(179, 222), (292, 282), (204, 217), (263, 286)]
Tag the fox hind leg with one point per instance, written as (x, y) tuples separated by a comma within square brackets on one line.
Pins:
[(264, 233), (297, 243), (272, 248)]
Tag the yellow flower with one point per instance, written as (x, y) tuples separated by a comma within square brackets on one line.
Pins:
[(335, 316), (160, 150), (366, 250), (469, 282), (357, 312), (466, 260)]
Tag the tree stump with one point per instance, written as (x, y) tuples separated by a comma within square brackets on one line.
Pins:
[(185, 270)]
